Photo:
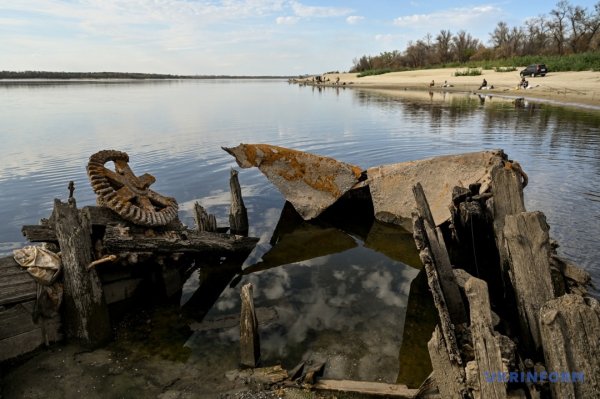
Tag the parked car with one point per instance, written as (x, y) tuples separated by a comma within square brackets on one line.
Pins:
[(534, 70)]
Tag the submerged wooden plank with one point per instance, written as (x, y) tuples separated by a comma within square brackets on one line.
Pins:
[(366, 388)]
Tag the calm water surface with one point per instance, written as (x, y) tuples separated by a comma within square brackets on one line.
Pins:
[(174, 130)]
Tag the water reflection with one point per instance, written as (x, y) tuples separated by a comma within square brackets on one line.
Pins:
[(319, 284)]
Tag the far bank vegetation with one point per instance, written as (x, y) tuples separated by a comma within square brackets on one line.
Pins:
[(566, 39)]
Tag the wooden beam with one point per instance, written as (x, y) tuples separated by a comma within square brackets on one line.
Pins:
[(449, 376), (487, 350), (507, 191), (570, 330), (86, 313), (117, 240), (528, 250), (432, 238), (366, 388)]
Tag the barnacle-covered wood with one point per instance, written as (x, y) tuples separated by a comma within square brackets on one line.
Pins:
[(127, 194), (311, 183)]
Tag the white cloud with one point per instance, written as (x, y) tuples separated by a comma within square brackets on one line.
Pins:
[(289, 20), (457, 17), (316, 11), (354, 19)]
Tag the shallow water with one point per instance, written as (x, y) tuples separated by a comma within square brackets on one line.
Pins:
[(323, 302)]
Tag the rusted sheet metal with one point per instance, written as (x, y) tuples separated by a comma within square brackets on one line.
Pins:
[(391, 185), (310, 182)]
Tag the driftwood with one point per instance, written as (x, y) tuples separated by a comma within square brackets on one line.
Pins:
[(204, 220), (86, 313), (570, 328), (528, 249), (486, 347), (249, 340), (238, 216)]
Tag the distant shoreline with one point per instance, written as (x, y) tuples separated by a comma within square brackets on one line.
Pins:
[(46, 75), (561, 88)]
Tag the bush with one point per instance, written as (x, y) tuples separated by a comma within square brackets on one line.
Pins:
[(505, 69), (468, 72)]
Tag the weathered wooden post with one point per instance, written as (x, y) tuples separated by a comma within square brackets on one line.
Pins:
[(528, 250), (87, 317), (440, 259), (485, 345), (204, 220), (570, 330), (507, 191), (249, 339), (238, 217)]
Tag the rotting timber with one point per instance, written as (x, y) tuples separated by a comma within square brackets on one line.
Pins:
[(132, 248)]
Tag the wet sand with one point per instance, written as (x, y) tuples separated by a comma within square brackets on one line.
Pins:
[(568, 88)]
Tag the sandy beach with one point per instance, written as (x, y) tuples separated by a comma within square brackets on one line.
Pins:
[(567, 88)]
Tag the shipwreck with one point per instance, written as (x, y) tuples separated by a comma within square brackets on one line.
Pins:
[(506, 302)]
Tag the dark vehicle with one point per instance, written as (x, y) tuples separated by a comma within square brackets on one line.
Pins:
[(534, 70)]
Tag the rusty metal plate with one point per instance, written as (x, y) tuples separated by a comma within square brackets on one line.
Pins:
[(311, 183)]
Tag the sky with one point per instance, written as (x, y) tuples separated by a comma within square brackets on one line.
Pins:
[(233, 37)]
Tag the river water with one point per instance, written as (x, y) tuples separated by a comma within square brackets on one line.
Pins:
[(323, 299)]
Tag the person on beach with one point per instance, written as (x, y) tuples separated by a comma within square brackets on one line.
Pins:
[(523, 84)]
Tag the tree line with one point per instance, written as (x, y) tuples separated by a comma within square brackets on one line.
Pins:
[(566, 29)]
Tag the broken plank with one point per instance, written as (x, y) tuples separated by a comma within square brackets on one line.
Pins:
[(570, 331), (449, 376), (117, 240), (485, 345), (39, 233), (366, 388), (238, 216), (528, 250), (249, 339), (507, 191), (204, 220), (16, 285)]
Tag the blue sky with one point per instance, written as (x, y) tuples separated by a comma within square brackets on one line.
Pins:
[(236, 37)]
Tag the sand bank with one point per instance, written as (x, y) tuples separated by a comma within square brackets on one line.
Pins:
[(570, 88)]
